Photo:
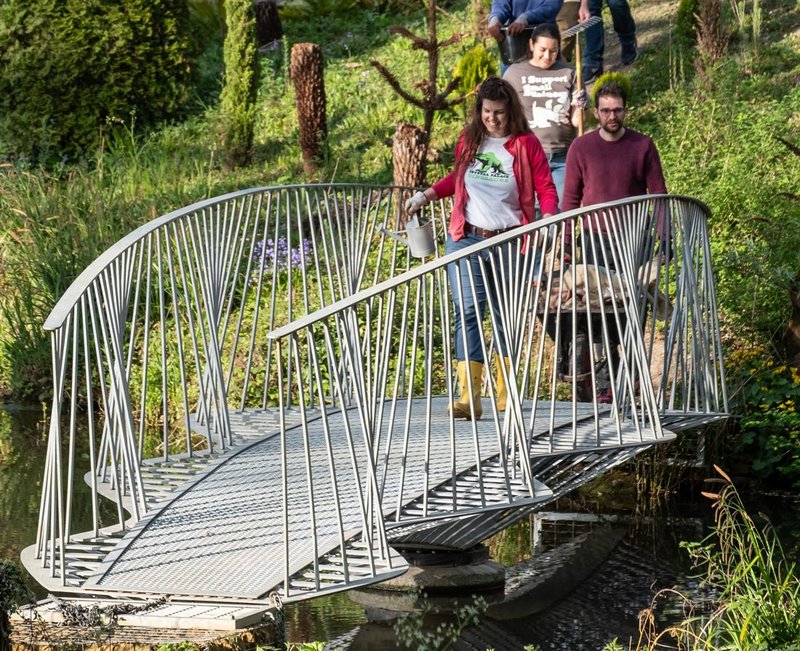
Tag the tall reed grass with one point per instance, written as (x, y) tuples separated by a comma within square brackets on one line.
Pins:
[(752, 588), (55, 223)]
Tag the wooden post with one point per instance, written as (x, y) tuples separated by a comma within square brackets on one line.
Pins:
[(268, 22), (306, 68), (409, 158)]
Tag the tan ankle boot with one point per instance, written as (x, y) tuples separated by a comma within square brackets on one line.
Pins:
[(501, 394), (461, 407)]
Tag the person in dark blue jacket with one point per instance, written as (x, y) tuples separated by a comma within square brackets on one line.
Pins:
[(519, 14)]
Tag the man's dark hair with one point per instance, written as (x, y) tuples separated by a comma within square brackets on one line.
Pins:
[(611, 89), (548, 30)]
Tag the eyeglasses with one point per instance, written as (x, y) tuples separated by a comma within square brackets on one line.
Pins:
[(605, 112)]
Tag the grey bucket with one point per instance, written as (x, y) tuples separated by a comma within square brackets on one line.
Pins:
[(515, 47)]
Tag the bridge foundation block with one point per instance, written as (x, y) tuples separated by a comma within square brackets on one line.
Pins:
[(92, 625), (440, 575)]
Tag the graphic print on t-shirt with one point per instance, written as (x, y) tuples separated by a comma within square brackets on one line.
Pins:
[(488, 167), (492, 195), (550, 102)]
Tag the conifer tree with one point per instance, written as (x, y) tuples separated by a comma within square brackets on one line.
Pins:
[(239, 94)]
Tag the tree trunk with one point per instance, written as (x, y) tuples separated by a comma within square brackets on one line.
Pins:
[(409, 155), (306, 68), (268, 22), (791, 336), (409, 158), (5, 632)]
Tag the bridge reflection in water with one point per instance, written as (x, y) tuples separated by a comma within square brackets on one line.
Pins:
[(295, 368)]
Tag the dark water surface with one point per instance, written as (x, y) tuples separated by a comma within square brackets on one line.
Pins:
[(22, 452), (584, 606)]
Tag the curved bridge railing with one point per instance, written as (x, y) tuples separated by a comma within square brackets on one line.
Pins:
[(285, 315)]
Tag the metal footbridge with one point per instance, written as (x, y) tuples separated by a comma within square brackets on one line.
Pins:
[(260, 384)]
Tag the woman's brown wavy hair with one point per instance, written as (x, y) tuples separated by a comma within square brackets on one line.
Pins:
[(493, 89)]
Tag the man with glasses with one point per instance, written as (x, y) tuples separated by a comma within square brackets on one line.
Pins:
[(610, 163), (614, 161)]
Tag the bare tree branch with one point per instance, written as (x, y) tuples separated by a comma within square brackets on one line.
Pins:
[(455, 38), (419, 43), (440, 98), (392, 81)]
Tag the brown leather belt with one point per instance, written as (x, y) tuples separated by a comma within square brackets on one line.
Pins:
[(484, 232)]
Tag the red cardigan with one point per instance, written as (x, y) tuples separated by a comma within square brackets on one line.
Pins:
[(531, 171)]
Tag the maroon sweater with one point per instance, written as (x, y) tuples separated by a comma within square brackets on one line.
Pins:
[(599, 171)]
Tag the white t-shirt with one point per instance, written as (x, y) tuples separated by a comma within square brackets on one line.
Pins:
[(492, 195)]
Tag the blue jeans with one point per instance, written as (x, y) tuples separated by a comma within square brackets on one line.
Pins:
[(624, 26), (483, 285), (558, 168)]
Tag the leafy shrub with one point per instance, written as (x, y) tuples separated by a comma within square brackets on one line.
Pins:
[(473, 67), (716, 143), (65, 67), (13, 593), (411, 629), (613, 78), (752, 588), (768, 400), (686, 23)]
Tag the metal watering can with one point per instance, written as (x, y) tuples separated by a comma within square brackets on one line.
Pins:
[(419, 238)]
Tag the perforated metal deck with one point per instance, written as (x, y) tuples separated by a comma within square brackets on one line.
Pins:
[(223, 534)]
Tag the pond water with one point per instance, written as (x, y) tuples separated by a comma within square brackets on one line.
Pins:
[(623, 560)]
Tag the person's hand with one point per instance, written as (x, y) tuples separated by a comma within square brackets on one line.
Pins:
[(517, 27), (579, 99), (416, 203), (583, 13), (494, 30)]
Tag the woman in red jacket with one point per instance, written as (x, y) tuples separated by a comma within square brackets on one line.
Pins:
[(500, 170)]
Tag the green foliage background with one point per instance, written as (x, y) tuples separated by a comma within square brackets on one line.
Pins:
[(718, 144), (67, 66)]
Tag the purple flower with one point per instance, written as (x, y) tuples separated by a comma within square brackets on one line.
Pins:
[(281, 256)]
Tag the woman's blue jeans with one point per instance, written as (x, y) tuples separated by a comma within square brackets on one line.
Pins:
[(558, 169), (472, 289)]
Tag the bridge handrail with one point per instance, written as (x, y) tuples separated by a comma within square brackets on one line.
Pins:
[(78, 287), (440, 262)]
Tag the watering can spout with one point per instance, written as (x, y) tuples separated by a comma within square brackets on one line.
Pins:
[(393, 235), (419, 240)]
